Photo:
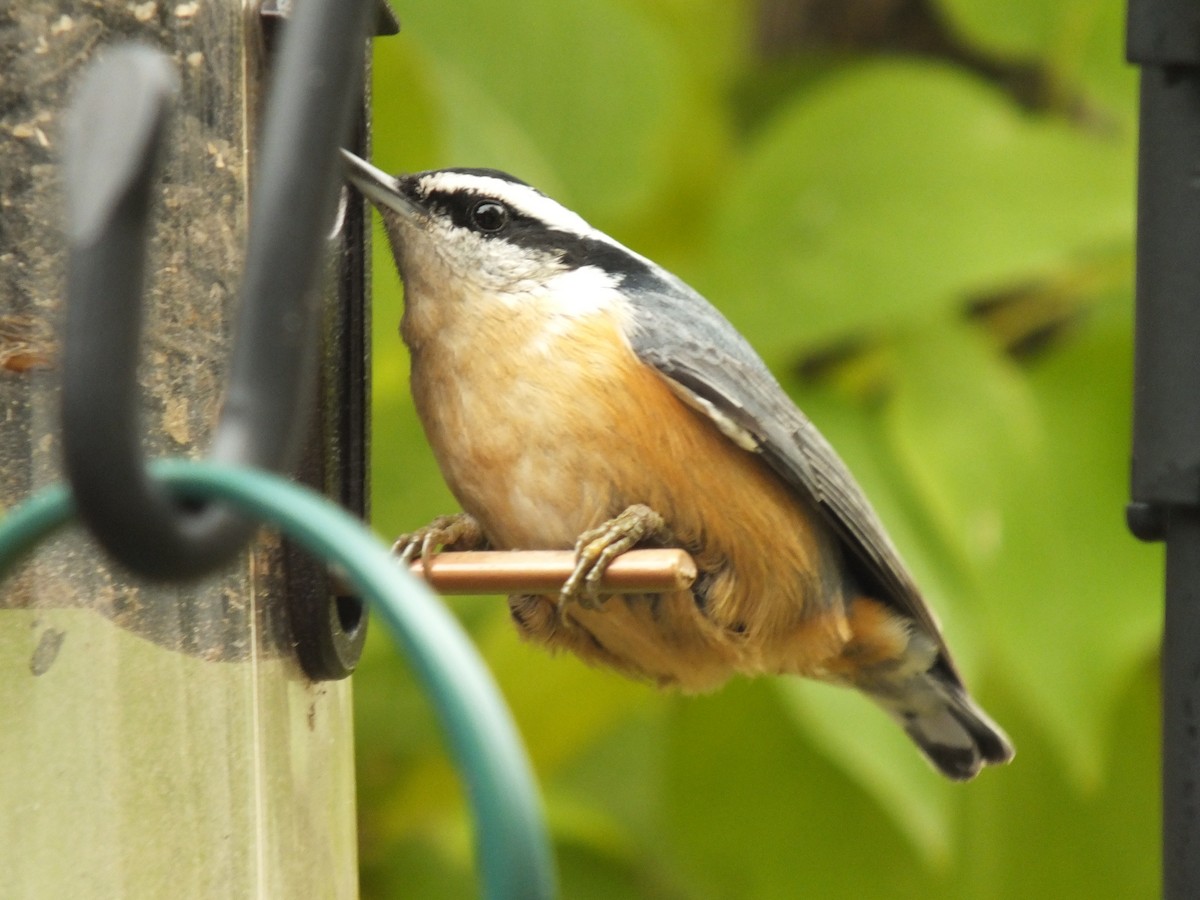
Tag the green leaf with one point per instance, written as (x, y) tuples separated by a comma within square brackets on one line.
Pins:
[(1016, 27), (894, 191), (561, 705), (405, 108), (1101, 65), (1081, 42), (963, 426), (865, 743), (1025, 479), (1073, 602), (593, 87), (754, 811), (1030, 832), (480, 131)]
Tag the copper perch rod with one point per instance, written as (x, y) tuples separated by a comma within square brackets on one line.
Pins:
[(544, 571)]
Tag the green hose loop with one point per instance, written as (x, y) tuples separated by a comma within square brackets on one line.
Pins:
[(511, 842)]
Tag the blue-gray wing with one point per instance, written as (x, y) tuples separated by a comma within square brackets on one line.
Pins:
[(714, 369)]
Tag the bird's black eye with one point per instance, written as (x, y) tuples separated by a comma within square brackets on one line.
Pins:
[(489, 216)]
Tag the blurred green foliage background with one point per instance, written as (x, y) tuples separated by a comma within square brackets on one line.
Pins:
[(920, 211)]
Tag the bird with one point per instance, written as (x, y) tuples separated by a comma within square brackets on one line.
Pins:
[(577, 395)]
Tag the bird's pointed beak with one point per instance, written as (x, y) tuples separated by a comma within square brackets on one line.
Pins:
[(378, 186)]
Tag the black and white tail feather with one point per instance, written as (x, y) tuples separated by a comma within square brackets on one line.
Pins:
[(953, 733)]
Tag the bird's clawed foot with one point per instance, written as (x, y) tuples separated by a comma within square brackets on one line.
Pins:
[(457, 532), (597, 548)]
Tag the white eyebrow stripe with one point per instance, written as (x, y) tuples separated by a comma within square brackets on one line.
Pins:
[(521, 197)]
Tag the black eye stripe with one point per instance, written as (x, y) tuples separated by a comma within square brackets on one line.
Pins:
[(461, 207), (522, 230)]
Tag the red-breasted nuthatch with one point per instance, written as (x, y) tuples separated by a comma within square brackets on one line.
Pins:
[(576, 394)]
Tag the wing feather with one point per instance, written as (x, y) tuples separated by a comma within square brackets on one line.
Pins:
[(712, 367)]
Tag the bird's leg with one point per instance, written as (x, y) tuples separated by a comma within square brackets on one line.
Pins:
[(457, 532), (598, 547)]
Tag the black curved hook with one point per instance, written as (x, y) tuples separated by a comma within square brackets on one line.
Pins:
[(113, 134)]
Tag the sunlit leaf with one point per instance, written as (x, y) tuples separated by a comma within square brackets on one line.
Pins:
[(1073, 602), (404, 100), (860, 739), (756, 812), (1080, 43), (963, 425), (896, 190), (1016, 27), (1030, 831), (592, 87), (561, 705)]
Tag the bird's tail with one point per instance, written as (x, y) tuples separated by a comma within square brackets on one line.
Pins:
[(936, 711)]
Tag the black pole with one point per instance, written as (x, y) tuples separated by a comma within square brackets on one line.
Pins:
[(1181, 708), (1164, 39)]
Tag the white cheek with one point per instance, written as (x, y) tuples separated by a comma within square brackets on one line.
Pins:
[(569, 297), (582, 292)]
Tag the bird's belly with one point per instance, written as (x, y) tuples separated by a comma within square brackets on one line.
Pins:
[(532, 447), (540, 453)]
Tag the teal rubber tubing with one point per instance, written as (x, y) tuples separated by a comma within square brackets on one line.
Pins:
[(511, 840)]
